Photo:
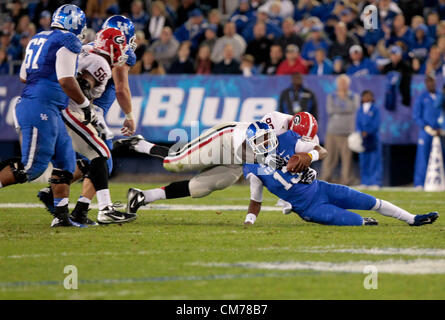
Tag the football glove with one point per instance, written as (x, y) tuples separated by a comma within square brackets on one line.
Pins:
[(275, 161), (308, 176)]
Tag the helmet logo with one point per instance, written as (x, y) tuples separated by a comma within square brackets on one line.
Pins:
[(123, 27), (72, 20), (297, 120), (119, 39)]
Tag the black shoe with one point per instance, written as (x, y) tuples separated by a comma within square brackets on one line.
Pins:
[(135, 200), (61, 219), (80, 215), (127, 143), (110, 215), (46, 196), (422, 219), (370, 222)]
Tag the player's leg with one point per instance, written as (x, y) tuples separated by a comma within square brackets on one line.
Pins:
[(331, 161), (348, 198), (422, 156), (139, 144), (201, 185), (329, 214)]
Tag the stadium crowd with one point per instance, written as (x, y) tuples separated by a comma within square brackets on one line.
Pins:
[(258, 37)]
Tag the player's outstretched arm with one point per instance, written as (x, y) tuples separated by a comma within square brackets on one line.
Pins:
[(256, 198), (253, 212), (123, 96)]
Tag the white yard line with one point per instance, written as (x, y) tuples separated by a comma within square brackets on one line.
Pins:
[(418, 266)]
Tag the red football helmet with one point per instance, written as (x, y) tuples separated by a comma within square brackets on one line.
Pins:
[(304, 124), (112, 42)]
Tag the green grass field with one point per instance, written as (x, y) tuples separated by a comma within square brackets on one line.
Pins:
[(191, 254)]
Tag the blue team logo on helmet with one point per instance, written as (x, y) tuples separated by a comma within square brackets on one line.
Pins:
[(71, 18), (125, 25), (261, 138)]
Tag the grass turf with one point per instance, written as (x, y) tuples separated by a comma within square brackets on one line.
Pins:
[(166, 254)]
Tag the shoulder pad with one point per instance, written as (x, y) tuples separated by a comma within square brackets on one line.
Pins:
[(71, 42), (131, 61)]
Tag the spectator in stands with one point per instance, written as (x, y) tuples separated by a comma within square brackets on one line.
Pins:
[(341, 107), (148, 65), (400, 34), (440, 31), (275, 58), (193, 29), (322, 65), (141, 44), (44, 21), (297, 98), (417, 21), (274, 14), (183, 11), (426, 114), (286, 7), (360, 66), (138, 16), (230, 37), (165, 48), (343, 42), (203, 63), (434, 63), (183, 64), (421, 44), (259, 47), (387, 10), (158, 20), (214, 18), (210, 36), (4, 65), (272, 31), (242, 16), (315, 41), (399, 74), (289, 35), (43, 5), (247, 65), (441, 45), (96, 12), (368, 124), (338, 65), (293, 63), (304, 8), (228, 65), (17, 11)]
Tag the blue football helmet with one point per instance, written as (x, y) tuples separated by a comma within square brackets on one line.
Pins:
[(261, 138), (125, 25), (71, 18)]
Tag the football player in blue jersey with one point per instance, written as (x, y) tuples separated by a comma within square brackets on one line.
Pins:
[(48, 70), (314, 201), (117, 88)]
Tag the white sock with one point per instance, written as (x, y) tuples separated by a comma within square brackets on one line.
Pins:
[(84, 200), (103, 198), (143, 146), (154, 194), (388, 209)]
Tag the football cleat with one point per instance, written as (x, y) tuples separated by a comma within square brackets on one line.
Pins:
[(46, 196), (421, 219), (66, 223), (82, 218), (127, 143), (135, 200), (110, 215), (370, 221)]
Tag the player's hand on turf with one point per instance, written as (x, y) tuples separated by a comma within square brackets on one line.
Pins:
[(128, 127), (299, 162)]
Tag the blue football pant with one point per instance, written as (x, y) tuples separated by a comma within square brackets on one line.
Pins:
[(330, 208), (371, 167), (44, 138)]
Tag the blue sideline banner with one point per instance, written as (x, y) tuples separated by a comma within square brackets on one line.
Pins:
[(196, 103)]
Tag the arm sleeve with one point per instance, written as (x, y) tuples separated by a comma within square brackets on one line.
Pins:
[(66, 61), (256, 187)]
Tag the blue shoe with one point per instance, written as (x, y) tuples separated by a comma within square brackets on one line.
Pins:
[(70, 223), (422, 219)]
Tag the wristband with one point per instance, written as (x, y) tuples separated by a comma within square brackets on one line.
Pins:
[(129, 116), (314, 155), (250, 218), (84, 104)]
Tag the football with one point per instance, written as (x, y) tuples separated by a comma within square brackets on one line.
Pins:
[(299, 162)]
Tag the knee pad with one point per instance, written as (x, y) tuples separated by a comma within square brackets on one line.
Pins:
[(63, 177), (83, 165), (17, 169)]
